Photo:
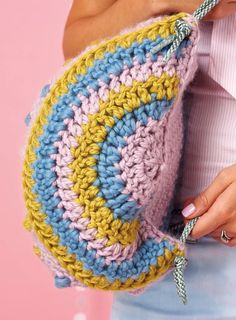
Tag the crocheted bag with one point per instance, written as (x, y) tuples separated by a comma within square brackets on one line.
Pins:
[(102, 153)]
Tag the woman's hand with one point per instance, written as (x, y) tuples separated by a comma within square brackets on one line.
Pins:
[(222, 9), (216, 206)]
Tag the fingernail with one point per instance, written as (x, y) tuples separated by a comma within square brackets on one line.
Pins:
[(188, 210)]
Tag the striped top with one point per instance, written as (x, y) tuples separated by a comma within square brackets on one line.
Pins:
[(210, 109), (222, 53)]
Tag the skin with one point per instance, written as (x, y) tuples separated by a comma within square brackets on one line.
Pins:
[(216, 207), (91, 20)]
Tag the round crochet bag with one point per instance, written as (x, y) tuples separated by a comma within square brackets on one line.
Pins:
[(102, 153)]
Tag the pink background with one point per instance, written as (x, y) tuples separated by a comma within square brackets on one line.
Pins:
[(31, 51)]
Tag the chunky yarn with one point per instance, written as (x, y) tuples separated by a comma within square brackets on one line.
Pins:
[(101, 159)]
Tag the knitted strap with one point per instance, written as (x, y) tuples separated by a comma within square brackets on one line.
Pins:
[(181, 262), (183, 29)]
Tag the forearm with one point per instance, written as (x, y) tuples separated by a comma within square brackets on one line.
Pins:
[(108, 23), (124, 13)]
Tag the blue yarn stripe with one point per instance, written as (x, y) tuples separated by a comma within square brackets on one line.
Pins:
[(111, 187), (69, 237), (44, 178)]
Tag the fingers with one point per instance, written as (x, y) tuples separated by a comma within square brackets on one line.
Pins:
[(231, 243), (229, 227), (221, 212), (206, 198)]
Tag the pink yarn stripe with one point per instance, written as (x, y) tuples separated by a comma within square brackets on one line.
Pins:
[(146, 231), (64, 158), (128, 252), (90, 106), (68, 139), (52, 263)]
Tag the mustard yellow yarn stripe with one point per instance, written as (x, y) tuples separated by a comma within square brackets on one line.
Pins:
[(162, 28), (35, 218), (45, 232), (127, 99)]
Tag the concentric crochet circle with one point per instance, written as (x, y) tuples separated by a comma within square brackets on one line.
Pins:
[(101, 160)]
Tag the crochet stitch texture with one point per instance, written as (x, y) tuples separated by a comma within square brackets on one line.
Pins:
[(101, 159)]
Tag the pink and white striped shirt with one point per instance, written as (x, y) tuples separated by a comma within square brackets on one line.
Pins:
[(222, 62), (210, 107)]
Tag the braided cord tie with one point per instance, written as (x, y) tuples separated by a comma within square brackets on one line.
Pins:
[(181, 262), (183, 29)]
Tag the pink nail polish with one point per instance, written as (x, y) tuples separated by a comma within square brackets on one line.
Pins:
[(188, 210)]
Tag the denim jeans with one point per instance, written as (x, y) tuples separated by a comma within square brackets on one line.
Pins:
[(210, 278)]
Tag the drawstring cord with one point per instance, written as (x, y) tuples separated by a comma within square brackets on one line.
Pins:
[(183, 29), (181, 262)]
